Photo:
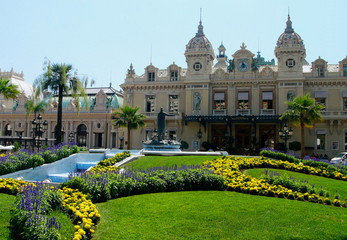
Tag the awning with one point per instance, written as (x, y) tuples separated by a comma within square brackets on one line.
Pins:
[(344, 93), (267, 95), (242, 96), (320, 94), (218, 96)]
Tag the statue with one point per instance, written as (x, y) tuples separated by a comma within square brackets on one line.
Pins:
[(196, 101), (161, 123)]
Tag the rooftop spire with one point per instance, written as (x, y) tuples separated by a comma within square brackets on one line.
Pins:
[(289, 28), (200, 27)]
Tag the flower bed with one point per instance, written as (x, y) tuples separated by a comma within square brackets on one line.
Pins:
[(230, 168), (24, 159), (107, 165)]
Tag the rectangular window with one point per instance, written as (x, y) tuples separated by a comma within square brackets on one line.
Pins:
[(219, 101), (243, 102), (344, 67), (172, 135), (173, 103), (173, 75), (267, 100), (321, 101), (320, 72), (320, 140), (151, 76), (345, 104), (346, 140), (150, 103)]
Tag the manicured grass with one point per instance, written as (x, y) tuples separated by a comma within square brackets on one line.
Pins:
[(217, 215), (67, 228), (6, 202), (331, 185), (168, 161)]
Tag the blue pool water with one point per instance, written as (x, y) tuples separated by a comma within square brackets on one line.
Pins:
[(59, 171)]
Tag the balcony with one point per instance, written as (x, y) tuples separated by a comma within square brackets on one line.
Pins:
[(243, 112), (334, 114), (267, 111), (219, 112)]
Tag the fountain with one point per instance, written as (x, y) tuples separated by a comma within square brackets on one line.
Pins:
[(158, 142), (158, 145)]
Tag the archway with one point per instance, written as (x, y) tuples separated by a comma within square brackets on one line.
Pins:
[(82, 135)]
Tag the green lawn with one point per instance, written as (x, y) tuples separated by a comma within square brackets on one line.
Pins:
[(6, 202), (217, 215), (331, 185), (167, 161)]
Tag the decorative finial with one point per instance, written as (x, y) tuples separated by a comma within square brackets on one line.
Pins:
[(200, 27), (289, 28), (243, 46)]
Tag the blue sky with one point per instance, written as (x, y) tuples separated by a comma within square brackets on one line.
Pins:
[(101, 38)]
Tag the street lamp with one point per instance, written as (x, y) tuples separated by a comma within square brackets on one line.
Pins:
[(285, 134), (39, 127)]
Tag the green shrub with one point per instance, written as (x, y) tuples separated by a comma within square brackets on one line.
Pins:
[(295, 146), (279, 156), (108, 185)]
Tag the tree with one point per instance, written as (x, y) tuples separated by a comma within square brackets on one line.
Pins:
[(61, 80), (35, 105), (9, 91), (128, 118), (303, 112)]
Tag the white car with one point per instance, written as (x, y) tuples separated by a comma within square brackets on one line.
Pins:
[(340, 158)]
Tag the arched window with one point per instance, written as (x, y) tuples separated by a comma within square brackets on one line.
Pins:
[(82, 135), (8, 130)]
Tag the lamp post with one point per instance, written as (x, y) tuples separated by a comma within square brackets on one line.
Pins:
[(285, 134), (39, 127)]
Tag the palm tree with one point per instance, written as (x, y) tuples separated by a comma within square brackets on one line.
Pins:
[(9, 91), (60, 78), (129, 118), (303, 112), (35, 105)]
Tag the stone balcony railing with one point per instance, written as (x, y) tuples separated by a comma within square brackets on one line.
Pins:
[(267, 111), (243, 111)]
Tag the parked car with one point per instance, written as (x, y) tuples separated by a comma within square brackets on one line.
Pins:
[(340, 158)]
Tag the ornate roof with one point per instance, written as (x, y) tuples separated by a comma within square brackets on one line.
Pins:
[(289, 38), (200, 42)]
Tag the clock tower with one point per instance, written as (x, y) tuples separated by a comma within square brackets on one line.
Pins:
[(199, 56), (290, 53)]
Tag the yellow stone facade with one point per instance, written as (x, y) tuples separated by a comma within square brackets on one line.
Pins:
[(235, 102)]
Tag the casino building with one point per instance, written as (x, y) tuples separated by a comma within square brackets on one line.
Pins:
[(90, 126), (234, 103)]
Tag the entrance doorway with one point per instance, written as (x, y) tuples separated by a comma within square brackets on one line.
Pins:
[(267, 136), (243, 138), (220, 137)]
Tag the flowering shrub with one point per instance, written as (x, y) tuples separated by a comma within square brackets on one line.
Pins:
[(29, 217), (24, 159), (12, 186), (230, 168), (113, 160), (82, 211), (109, 185)]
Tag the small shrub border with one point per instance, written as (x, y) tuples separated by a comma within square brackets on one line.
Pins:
[(103, 186), (230, 168), (317, 164), (107, 165)]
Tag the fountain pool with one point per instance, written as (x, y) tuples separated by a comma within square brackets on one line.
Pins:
[(58, 171)]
